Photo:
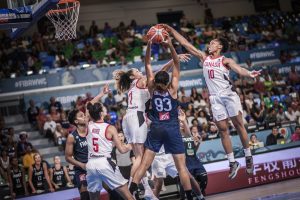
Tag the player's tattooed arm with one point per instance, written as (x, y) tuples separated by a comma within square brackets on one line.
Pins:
[(188, 46), (238, 69)]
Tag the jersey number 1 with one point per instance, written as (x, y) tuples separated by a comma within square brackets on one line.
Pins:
[(211, 74)]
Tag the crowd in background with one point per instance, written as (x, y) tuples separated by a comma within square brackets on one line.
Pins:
[(106, 46)]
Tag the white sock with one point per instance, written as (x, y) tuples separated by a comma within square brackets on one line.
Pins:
[(145, 183), (247, 152), (230, 157)]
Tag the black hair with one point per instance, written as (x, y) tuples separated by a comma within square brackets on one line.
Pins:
[(123, 80), (95, 110), (72, 116), (224, 43), (161, 80)]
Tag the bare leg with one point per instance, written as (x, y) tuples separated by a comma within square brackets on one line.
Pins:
[(179, 160), (138, 150), (124, 192), (145, 164), (224, 133), (239, 125), (158, 182)]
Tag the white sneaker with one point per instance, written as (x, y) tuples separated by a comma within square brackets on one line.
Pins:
[(149, 195)]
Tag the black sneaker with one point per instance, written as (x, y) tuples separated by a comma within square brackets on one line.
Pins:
[(234, 168), (249, 165)]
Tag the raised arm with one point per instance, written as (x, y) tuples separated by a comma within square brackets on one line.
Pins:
[(182, 58), (103, 92), (148, 68), (182, 119), (238, 69), (176, 69), (188, 46)]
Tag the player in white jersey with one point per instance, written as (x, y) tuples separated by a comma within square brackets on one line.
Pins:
[(134, 125), (100, 168), (225, 102)]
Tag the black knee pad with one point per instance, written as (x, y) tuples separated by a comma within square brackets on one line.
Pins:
[(202, 179), (84, 195)]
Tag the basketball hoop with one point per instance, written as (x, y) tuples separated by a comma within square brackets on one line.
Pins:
[(64, 19)]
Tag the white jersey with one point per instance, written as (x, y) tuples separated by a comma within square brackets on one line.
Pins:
[(216, 75), (98, 144), (137, 97)]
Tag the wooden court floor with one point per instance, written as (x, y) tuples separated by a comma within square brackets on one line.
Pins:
[(288, 186)]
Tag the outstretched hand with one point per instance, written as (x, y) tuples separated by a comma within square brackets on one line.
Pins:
[(166, 27), (184, 57), (105, 89), (254, 73), (181, 115)]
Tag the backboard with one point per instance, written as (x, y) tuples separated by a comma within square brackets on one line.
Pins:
[(21, 14)]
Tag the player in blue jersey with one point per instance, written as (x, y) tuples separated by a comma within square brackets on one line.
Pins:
[(76, 151), (164, 128)]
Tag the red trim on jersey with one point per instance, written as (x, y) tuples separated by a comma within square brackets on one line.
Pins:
[(106, 132), (136, 84), (215, 57), (225, 65), (99, 122)]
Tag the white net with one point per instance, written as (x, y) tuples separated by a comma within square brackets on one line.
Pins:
[(64, 19)]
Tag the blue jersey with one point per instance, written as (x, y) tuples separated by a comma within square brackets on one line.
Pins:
[(164, 108), (80, 148)]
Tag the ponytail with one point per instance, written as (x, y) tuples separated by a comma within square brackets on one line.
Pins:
[(123, 80)]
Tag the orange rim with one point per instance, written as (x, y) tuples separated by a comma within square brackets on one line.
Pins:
[(76, 4)]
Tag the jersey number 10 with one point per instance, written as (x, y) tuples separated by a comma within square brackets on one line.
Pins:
[(211, 74)]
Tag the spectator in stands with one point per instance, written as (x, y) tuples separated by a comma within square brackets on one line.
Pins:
[(276, 105), (296, 135), (273, 137), (22, 144), (49, 128), (79, 104), (280, 115), (54, 114), (258, 112), (254, 143), (268, 83), (110, 102), (271, 116), (38, 176), (4, 161), (64, 121), (202, 119), (195, 131), (124, 161), (290, 114), (93, 29), (213, 131), (60, 136), (56, 104), (294, 77), (11, 147), (28, 158), (41, 119), (119, 98), (32, 113), (17, 181), (11, 134), (59, 175), (259, 86)]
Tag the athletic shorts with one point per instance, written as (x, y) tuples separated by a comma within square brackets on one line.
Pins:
[(167, 134), (226, 105), (164, 165), (19, 191), (135, 127), (80, 178), (194, 165), (103, 169)]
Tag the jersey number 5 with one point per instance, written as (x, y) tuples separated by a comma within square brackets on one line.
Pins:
[(211, 74), (95, 144)]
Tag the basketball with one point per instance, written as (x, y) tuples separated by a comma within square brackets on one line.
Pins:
[(157, 34)]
